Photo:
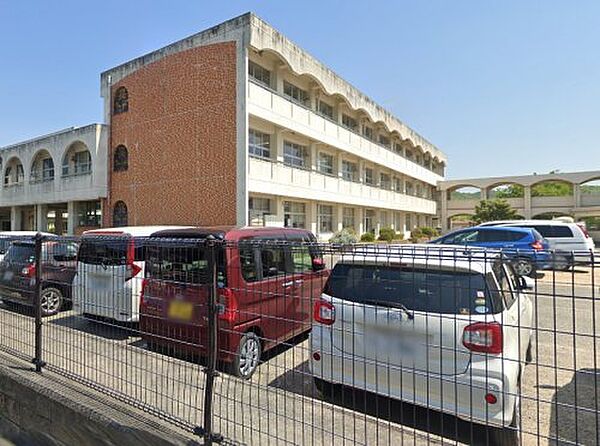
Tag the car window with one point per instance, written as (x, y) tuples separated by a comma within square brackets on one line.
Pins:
[(248, 263), (273, 261), (59, 252), (505, 283), (20, 253), (302, 253), (553, 231), (466, 237), (430, 290)]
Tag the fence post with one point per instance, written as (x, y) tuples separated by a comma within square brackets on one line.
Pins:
[(37, 360), (212, 348)]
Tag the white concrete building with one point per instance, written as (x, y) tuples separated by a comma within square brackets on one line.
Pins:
[(55, 182), (324, 156)]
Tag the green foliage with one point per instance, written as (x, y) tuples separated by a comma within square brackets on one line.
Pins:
[(590, 189), (552, 189), (387, 234), (456, 195), (346, 236), (367, 237), (423, 232), (497, 209), (510, 191), (429, 232)]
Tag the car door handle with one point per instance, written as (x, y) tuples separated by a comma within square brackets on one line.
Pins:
[(299, 282), (288, 284)]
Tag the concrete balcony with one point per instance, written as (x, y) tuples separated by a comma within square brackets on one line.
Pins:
[(268, 177), (273, 107)]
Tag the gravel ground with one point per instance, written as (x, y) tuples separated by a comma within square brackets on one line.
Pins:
[(279, 405)]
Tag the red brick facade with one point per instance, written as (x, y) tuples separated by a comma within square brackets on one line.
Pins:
[(180, 132)]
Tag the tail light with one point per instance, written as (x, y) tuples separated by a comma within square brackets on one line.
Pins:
[(132, 268), (483, 337), (227, 305), (324, 312), (29, 271), (537, 245), (584, 230)]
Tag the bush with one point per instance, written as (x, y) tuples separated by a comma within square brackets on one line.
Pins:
[(367, 237), (399, 236), (346, 236), (429, 232), (387, 234), (424, 232)]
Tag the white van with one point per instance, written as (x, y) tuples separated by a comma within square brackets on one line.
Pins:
[(568, 239), (110, 271)]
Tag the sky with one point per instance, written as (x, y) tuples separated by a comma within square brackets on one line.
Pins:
[(503, 88)]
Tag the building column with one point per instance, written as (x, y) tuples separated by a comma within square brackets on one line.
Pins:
[(527, 202), (279, 219), (484, 193), (41, 217), (312, 148), (444, 210), (278, 145), (311, 217), (576, 195), (360, 221), (339, 217), (16, 218), (377, 222), (71, 210)]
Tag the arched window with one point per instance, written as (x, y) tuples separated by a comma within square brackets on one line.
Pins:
[(120, 214), (121, 101), (120, 159)]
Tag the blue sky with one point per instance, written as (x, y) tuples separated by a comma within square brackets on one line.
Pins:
[(503, 88)]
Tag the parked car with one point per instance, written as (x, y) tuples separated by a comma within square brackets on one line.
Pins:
[(7, 237), (110, 269), (18, 270), (268, 279), (570, 242), (525, 247), (450, 332)]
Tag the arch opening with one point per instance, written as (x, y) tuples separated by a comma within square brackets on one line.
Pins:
[(14, 174), (42, 167), (77, 160)]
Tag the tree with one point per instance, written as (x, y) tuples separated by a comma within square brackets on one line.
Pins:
[(510, 191), (497, 209)]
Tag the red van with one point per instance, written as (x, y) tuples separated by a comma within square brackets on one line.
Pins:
[(267, 278)]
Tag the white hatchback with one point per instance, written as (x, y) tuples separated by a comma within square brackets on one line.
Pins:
[(437, 327), (110, 271)]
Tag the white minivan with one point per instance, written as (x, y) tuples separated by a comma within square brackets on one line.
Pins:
[(436, 327), (110, 271), (570, 241)]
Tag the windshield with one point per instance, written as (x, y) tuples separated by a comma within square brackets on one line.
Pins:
[(20, 253), (429, 290), (104, 251)]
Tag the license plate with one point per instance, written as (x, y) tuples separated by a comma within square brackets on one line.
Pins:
[(180, 310), (390, 342)]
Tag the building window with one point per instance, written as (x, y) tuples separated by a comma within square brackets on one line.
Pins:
[(259, 73), (77, 163), (120, 159), (295, 93), (259, 144), (349, 122), (398, 222), (384, 141), (121, 102), (409, 188), (409, 222), (43, 169), (324, 109), (398, 184), (409, 154), (398, 148), (385, 181), (325, 163), (89, 213), (47, 169), (419, 189), (258, 207), (369, 220), (325, 218), (348, 218), (120, 217), (384, 221), (369, 175), (368, 132), (294, 214), (295, 155), (349, 170)]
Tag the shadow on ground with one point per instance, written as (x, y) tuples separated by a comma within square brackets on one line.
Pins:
[(575, 417), (94, 327), (299, 380)]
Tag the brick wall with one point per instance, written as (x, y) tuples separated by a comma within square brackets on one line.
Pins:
[(180, 132)]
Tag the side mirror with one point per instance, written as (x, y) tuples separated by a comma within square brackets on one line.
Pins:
[(526, 283), (318, 264)]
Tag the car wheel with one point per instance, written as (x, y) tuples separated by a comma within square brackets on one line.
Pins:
[(529, 354), (524, 267), (247, 356), (510, 435), (51, 301)]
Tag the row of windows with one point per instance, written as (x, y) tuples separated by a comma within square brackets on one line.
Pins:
[(302, 97), (295, 216), (297, 155), (75, 163)]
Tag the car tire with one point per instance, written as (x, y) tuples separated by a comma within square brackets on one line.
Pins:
[(524, 267), (51, 301), (247, 356), (510, 435), (325, 388)]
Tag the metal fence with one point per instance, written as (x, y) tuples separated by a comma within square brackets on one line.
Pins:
[(265, 341)]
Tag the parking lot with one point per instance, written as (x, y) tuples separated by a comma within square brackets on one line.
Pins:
[(279, 404)]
